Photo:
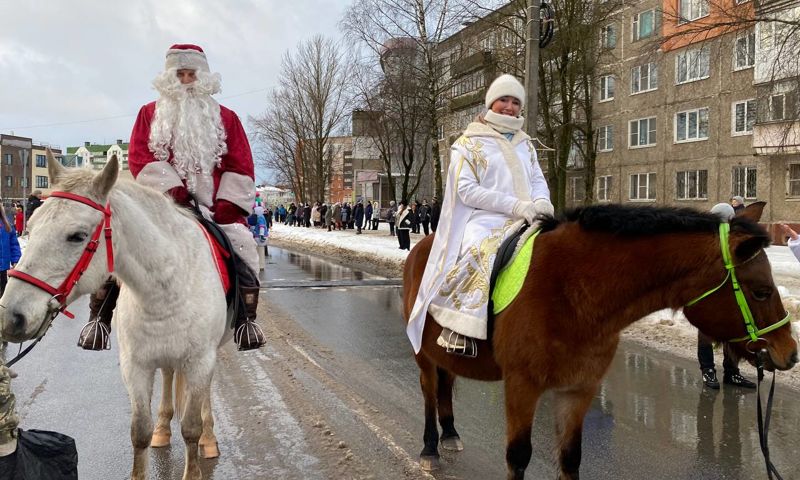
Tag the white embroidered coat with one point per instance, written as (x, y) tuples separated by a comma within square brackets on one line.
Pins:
[(488, 174)]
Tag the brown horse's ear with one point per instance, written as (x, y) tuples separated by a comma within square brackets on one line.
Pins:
[(103, 182), (753, 211), (749, 247), (54, 168)]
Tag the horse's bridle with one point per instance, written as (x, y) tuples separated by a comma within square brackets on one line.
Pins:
[(753, 337), (61, 292), (753, 332)]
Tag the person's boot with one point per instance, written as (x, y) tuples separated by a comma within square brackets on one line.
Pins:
[(94, 335), (710, 378), (248, 334)]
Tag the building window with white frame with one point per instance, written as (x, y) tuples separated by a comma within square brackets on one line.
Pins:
[(645, 24), (692, 185), (743, 114), (605, 136), (9, 181), (691, 125), (41, 181), (794, 180), (744, 53), (607, 84), (608, 36), (9, 158), (777, 104), (578, 188), (692, 64), (692, 10), (643, 186), (604, 184), (744, 181), (41, 161), (644, 78), (642, 132)]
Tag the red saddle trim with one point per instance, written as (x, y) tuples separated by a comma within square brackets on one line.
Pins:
[(219, 254)]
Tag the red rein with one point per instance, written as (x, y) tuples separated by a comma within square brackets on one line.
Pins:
[(61, 293)]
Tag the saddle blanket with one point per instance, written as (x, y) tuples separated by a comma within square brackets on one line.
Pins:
[(512, 275), (220, 256)]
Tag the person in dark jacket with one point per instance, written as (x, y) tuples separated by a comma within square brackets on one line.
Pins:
[(367, 215), (391, 217), (358, 216), (436, 210), (424, 216), (307, 216), (414, 213), (33, 202)]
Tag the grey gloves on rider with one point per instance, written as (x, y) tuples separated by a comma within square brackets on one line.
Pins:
[(530, 210)]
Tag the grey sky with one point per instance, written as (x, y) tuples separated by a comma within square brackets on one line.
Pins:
[(68, 61)]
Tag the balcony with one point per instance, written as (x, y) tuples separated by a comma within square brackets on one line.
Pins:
[(471, 63)]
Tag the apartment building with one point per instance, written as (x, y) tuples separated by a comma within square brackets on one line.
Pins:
[(23, 167)]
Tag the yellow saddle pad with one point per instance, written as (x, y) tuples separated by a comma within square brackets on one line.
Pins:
[(512, 276)]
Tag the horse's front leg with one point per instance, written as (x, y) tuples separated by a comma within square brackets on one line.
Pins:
[(166, 409), (570, 409), (139, 382), (450, 438), (208, 441), (429, 457), (521, 400)]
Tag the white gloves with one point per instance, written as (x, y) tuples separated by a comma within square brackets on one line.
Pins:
[(529, 210)]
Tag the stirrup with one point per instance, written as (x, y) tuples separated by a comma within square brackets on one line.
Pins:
[(457, 344), (94, 336), (249, 336)]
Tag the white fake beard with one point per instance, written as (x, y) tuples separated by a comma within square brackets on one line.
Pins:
[(188, 124)]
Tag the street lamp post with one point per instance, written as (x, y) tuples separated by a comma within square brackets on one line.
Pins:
[(532, 68)]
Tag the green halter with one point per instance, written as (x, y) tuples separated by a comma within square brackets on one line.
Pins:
[(753, 333)]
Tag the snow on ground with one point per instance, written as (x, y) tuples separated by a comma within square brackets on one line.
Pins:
[(378, 252)]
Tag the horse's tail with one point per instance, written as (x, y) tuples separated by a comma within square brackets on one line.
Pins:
[(180, 393)]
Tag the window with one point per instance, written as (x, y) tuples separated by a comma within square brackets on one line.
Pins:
[(744, 116), (41, 161), (23, 182), (644, 78), (644, 24), (604, 188), (608, 37), (440, 132), (776, 107), (744, 182), (606, 138), (692, 65), (41, 181), (578, 188), (691, 125), (692, 185), (693, 9), (606, 88), (744, 54), (9, 181), (643, 186), (774, 34), (794, 180), (9, 159), (642, 132)]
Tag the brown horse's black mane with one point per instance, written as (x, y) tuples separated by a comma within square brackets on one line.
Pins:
[(634, 221)]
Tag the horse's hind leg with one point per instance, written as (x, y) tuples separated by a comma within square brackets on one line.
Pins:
[(208, 441), (571, 407), (196, 386), (166, 409), (521, 399), (429, 457), (450, 438), (140, 390)]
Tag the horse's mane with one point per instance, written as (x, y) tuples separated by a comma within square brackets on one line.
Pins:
[(637, 221)]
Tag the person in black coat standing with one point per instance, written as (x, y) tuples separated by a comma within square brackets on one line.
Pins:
[(367, 215), (358, 216), (436, 210), (405, 218), (424, 216)]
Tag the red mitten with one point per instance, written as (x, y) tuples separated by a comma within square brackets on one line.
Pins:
[(226, 212), (181, 195)]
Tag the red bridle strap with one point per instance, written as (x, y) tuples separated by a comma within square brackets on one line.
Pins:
[(61, 293)]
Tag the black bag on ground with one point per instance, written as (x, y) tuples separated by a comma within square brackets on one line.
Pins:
[(41, 455)]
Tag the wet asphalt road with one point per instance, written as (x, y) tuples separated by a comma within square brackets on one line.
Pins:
[(335, 395)]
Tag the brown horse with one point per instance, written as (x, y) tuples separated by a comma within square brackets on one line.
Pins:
[(594, 272)]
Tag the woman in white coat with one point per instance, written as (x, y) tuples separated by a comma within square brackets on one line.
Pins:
[(494, 184)]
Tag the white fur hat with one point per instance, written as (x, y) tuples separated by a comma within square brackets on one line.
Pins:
[(190, 57), (724, 211), (505, 86)]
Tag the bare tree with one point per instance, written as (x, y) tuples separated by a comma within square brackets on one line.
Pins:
[(310, 105), (376, 24)]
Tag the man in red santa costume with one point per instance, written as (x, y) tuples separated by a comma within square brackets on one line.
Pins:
[(187, 145)]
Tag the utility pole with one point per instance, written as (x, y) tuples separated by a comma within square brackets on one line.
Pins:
[(532, 68)]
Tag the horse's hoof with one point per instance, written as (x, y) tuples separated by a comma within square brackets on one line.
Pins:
[(160, 439), (210, 450), (454, 444), (429, 463)]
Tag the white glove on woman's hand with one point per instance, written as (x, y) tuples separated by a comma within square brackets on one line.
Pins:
[(524, 209), (543, 207)]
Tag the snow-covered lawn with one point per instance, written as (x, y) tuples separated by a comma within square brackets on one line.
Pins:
[(378, 252)]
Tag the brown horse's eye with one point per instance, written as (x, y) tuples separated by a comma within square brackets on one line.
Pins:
[(762, 293)]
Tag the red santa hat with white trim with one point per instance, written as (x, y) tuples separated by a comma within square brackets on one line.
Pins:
[(186, 56)]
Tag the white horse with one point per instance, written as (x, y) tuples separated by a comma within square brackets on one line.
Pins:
[(171, 312)]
